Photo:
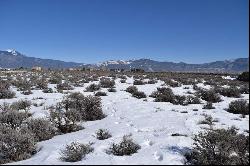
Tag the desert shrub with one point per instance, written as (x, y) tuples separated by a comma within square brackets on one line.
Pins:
[(187, 81), (41, 84), (23, 85), (219, 147), (15, 145), (244, 89), (172, 83), (192, 100), (139, 94), (4, 84), (48, 90), (13, 118), (65, 121), (208, 120), (5, 107), (239, 107), (131, 89), (178, 135), (138, 82), (100, 94), (65, 116), (107, 83), (75, 152), (209, 95), (27, 92), (196, 87), (103, 134), (208, 105), (122, 81), (6, 94), (74, 101), (111, 89), (112, 75), (243, 77), (21, 105), (229, 92), (93, 87), (163, 95), (152, 81), (125, 147), (41, 128), (55, 79), (89, 107), (92, 108), (123, 77), (64, 86), (179, 100)]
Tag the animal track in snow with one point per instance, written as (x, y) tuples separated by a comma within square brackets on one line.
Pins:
[(158, 156), (148, 142)]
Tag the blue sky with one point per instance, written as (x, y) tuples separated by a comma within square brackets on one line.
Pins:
[(89, 31)]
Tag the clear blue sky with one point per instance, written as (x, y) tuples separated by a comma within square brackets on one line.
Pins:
[(89, 31)]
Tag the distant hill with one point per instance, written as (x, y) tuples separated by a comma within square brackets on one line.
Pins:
[(237, 65), (14, 59)]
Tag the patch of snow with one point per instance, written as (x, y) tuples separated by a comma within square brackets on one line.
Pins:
[(228, 78), (150, 123)]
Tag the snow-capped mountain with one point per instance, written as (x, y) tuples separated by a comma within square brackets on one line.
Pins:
[(12, 51), (236, 65), (13, 59), (114, 62)]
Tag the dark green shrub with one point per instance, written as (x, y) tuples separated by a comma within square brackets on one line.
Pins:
[(93, 87), (125, 147), (239, 107), (48, 90), (131, 89), (111, 89), (89, 107), (41, 128), (5, 92), (163, 95), (103, 134), (107, 83), (219, 147), (138, 82), (100, 94), (179, 100), (209, 95), (13, 118), (21, 105), (64, 86), (229, 92), (15, 145), (139, 94), (243, 77), (193, 100), (75, 152), (209, 105)]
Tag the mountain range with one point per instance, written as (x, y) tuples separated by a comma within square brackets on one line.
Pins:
[(14, 59)]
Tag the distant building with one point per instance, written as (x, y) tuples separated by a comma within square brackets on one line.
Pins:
[(37, 68)]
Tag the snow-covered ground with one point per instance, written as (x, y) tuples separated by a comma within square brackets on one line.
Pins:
[(150, 123)]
